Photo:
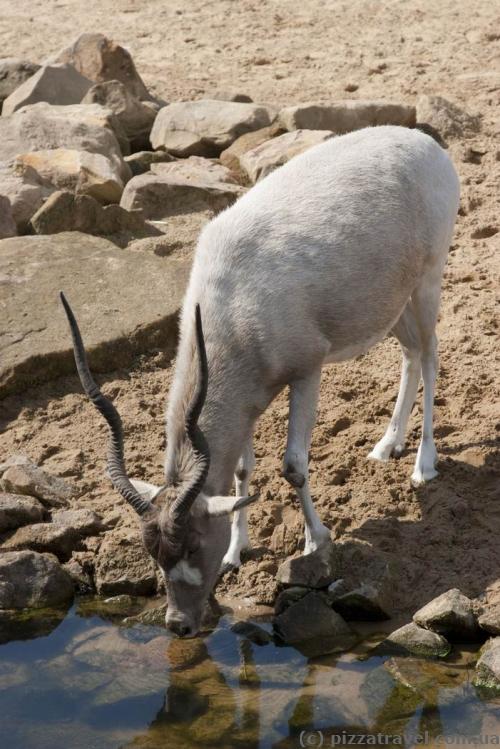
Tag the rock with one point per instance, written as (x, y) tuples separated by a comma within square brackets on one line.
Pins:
[(415, 640), (55, 84), (179, 238), (50, 538), (188, 186), (449, 120), (360, 564), (135, 117), (252, 632), (231, 96), (262, 160), (205, 127), (312, 625), (345, 116), (154, 617), (452, 615), (28, 579), (140, 162), (100, 59), (17, 510), (361, 604), (8, 226), (18, 459), (124, 566), (118, 324), (79, 171), (489, 620), (33, 481), (81, 570), (64, 211), (232, 155), (315, 570), (289, 596), (85, 522), (24, 189), (79, 127), (13, 73), (487, 674)]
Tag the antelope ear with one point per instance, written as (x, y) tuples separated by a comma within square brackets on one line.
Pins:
[(148, 491), (226, 505)]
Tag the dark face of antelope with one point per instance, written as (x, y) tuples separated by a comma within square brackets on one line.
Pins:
[(185, 531)]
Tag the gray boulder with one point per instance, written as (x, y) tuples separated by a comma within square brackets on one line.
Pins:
[(17, 510), (487, 674), (124, 566), (313, 626), (135, 117), (345, 116), (489, 620), (59, 540), (362, 604), (415, 640), (449, 120), (205, 127), (55, 84), (119, 324), (29, 579), (13, 73), (84, 522), (29, 479), (452, 615), (315, 570), (265, 158), (8, 226), (100, 59)]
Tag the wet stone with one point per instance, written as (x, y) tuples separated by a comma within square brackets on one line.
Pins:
[(451, 615), (415, 640)]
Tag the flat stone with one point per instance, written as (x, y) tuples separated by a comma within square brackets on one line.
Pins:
[(487, 674), (416, 640), (447, 118), (361, 604), (265, 158), (85, 522), (312, 625), (81, 172), (24, 189), (33, 481), (29, 579), (13, 73), (205, 127), (8, 226), (17, 510), (79, 127), (452, 615), (489, 620), (124, 566), (100, 59), (231, 156), (189, 186), (135, 117), (140, 162), (315, 570), (345, 116), (101, 282), (55, 84), (50, 538)]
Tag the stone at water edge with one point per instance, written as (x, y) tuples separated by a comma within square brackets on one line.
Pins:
[(416, 640), (288, 596), (447, 118), (361, 604), (13, 73), (265, 158), (101, 59), (8, 226), (49, 538), (100, 281), (124, 566), (55, 84), (205, 127), (487, 674), (17, 510), (29, 579), (252, 632), (33, 481), (452, 615), (346, 116), (315, 570), (489, 620)]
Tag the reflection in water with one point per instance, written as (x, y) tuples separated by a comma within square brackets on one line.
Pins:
[(90, 683)]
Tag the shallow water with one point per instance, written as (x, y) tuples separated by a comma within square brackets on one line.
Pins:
[(86, 682)]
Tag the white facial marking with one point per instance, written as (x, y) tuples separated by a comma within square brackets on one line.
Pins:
[(183, 571)]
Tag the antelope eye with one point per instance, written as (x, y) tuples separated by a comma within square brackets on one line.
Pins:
[(193, 544)]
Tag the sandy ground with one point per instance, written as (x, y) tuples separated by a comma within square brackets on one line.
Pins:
[(443, 535)]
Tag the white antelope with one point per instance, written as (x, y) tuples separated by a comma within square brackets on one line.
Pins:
[(315, 264)]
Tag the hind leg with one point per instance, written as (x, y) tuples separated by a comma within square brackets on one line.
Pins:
[(426, 305), (407, 332)]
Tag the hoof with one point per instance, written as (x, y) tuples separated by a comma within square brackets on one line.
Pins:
[(421, 477), (385, 450)]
